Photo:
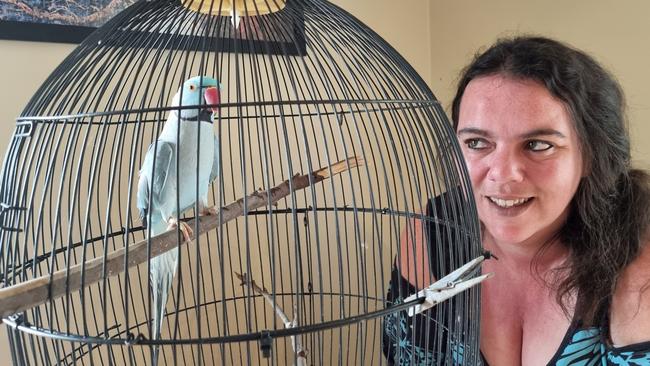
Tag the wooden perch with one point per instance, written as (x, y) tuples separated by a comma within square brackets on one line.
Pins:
[(296, 342), (28, 294)]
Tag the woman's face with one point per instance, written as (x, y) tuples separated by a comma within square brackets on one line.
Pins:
[(523, 157)]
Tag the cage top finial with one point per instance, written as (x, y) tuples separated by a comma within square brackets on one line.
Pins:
[(239, 7)]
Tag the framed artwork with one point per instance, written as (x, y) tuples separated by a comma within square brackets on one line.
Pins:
[(64, 21), (71, 21)]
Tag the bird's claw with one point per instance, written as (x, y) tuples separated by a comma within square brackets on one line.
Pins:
[(185, 229), (209, 211)]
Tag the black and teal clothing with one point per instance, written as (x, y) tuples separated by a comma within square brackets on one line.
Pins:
[(588, 346), (412, 341)]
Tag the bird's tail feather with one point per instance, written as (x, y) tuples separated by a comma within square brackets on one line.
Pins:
[(163, 269)]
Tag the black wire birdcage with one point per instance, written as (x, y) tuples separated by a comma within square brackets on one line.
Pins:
[(313, 104)]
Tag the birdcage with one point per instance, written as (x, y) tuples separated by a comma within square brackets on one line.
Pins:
[(328, 146)]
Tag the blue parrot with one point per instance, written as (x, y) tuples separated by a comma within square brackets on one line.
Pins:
[(159, 185)]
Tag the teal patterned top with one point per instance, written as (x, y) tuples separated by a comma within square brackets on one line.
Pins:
[(586, 347)]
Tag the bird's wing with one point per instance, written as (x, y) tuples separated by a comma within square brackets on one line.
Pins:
[(215, 161), (154, 177)]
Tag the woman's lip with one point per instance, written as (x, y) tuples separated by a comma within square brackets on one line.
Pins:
[(507, 197)]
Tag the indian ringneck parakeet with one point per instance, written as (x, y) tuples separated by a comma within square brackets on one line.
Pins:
[(160, 184)]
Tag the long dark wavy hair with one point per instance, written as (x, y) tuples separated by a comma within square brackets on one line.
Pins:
[(610, 212)]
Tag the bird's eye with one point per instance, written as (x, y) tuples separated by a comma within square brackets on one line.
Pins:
[(192, 87)]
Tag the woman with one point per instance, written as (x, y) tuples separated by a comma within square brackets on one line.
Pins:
[(542, 130)]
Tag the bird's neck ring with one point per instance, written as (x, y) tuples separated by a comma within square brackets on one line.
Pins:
[(204, 116)]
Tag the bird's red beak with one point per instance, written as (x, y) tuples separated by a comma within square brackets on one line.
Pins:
[(212, 98)]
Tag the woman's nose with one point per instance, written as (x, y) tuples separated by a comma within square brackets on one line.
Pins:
[(506, 166)]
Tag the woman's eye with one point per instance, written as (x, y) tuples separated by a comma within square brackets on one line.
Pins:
[(476, 144), (538, 145)]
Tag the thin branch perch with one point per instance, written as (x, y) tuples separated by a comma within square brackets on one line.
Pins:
[(28, 294), (296, 342)]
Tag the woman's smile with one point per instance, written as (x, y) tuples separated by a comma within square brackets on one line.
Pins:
[(510, 207)]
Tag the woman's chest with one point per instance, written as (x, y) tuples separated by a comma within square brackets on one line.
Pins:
[(521, 323)]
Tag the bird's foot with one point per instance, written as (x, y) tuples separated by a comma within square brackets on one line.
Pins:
[(209, 211), (185, 229)]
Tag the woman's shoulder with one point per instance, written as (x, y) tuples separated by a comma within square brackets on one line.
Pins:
[(630, 312)]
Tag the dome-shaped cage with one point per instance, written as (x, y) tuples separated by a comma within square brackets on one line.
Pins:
[(329, 146)]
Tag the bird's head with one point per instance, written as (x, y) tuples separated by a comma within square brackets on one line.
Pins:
[(199, 90)]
